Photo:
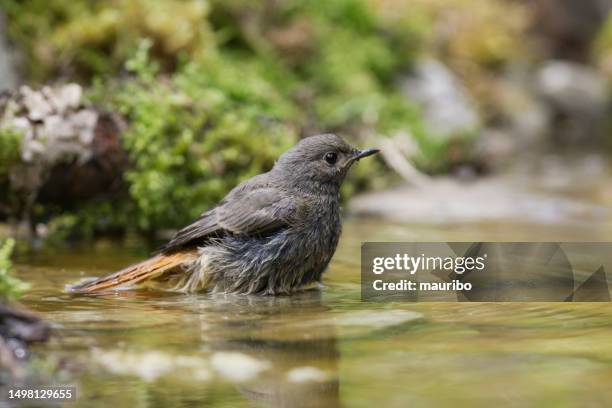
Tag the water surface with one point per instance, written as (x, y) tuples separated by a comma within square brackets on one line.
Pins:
[(323, 347)]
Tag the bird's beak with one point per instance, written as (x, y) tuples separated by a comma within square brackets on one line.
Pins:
[(360, 154)]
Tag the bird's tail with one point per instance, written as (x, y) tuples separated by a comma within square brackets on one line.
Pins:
[(132, 275)]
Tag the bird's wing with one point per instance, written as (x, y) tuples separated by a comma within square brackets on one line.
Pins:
[(249, 213)]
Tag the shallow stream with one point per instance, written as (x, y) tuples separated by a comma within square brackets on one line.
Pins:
[(322, 347)]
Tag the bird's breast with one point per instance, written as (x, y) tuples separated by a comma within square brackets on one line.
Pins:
[(316, 240)]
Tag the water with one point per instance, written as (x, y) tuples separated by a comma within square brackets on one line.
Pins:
[(324, 347)]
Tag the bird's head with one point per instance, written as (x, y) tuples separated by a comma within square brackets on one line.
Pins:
[(319, 160)]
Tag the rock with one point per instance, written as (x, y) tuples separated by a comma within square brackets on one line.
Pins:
[(305, 374), (152, 364), (238, 366), (70, 152), (8, 72), (356, 323), (572, 86), (65, 97), (567, 27), (524, 114), (447, 111), (492, 199), (519, 121), (496, 146), (376, 319), (36, 104), (22, 325), (18, 329), (54, 127), (577, 97)]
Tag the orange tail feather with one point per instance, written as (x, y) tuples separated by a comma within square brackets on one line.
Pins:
[(137, 273)]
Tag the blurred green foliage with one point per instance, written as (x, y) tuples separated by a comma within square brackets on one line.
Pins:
[(477, 39), (479, 34), (9, 156), (81, 39), (602, 49), (195, 135), (214, 91), (9, 150), (10, 287)]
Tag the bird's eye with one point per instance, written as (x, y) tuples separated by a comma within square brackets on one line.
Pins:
[(331, 157)]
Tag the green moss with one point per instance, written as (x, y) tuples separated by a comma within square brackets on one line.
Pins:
[(216, 101), (9, 150), (85, 38), (10, 287), (110, 217), (343, 60), (194, 135), (10, 142)]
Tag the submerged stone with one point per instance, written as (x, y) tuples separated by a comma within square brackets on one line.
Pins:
[(238, 366)]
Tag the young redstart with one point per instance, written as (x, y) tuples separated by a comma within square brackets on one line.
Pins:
[(272, 234)]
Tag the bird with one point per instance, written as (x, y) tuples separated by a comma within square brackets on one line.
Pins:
[(273, 234)]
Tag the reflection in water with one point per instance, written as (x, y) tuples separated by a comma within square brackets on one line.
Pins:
[(303, 360), (275, 351)]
